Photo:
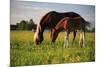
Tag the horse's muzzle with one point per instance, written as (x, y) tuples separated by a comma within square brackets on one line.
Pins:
[(38, 42)]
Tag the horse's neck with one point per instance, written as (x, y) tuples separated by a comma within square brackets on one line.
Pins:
[(40, 29)]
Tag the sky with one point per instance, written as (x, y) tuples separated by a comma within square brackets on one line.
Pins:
[(26, 10)]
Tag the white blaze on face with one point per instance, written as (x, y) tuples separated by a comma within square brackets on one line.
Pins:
[(36, 33), (35, 36)]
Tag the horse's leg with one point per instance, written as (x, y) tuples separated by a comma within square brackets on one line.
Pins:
[(66, 39), (81, 41), (51, 33), (74, 33)]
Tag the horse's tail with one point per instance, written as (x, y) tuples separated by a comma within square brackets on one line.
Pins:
[(87, 24)]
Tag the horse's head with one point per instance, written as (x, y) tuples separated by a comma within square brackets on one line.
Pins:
[(38, 36)]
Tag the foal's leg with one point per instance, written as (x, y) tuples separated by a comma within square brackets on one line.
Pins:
[(51, 36), (51, 33), (66, 39), (81, 41), (74, 33)]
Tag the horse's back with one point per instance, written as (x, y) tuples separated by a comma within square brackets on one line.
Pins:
[(52, 18)]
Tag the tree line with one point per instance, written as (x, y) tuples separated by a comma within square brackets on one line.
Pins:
[(24, 25), (30, 25)]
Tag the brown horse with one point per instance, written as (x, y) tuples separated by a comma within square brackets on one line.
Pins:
[(71, 25), (50, 20)]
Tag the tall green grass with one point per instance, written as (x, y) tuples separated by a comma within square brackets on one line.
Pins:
[(24, 52)]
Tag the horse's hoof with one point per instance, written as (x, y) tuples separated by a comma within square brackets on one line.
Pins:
[(65, 46), (80, 47)]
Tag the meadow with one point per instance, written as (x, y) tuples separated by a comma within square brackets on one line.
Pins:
[(24, 52)]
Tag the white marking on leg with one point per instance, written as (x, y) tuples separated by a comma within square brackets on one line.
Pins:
[(80, 39), (67, 42), (66, 39)]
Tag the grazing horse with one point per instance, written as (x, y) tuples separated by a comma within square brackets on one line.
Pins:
[(50, 20), (71, 25)]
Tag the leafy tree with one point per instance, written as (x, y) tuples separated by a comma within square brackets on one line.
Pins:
[(25, 25), (22, 25), (93, 30), (13, 27), (30, 25)]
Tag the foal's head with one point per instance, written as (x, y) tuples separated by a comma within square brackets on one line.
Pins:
[(61, 25), (38, 36), (54, 34)]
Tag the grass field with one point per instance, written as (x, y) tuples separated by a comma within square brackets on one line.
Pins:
[(23, 51)]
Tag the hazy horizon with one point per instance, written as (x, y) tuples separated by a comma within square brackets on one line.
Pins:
[(26, 10)]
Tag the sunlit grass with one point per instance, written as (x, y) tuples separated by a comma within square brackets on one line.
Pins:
[(25, 52)]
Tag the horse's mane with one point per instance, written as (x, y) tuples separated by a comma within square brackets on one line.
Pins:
[(44, 17)]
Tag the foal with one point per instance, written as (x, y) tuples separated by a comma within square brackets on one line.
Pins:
[(71, 25)]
